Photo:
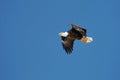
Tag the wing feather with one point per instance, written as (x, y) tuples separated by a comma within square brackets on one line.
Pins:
[(79, 29), (67, 44)]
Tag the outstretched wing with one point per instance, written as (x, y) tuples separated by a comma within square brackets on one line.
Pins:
[(67, 44), (79, 29)]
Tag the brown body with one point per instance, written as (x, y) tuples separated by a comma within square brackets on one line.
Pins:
[(73, 35)]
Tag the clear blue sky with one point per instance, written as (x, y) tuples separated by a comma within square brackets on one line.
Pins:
[(30, 48)]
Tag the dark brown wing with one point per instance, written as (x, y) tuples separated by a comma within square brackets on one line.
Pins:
[(79, 29), (67, 44)]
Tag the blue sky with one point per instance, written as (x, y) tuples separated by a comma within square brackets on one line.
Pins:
[(30, 48)]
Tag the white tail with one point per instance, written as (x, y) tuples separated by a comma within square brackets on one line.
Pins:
[(89, 39)]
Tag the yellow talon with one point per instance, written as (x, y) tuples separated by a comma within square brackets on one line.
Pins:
[(84, 39)]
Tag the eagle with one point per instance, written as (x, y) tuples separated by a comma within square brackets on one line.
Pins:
[(75, 33)]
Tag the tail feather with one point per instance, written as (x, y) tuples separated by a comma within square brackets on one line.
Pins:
[(89, 39)]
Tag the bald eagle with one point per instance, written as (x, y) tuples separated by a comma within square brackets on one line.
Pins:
[(76, 33)]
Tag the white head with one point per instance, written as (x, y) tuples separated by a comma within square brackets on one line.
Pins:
[(64, 34)]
